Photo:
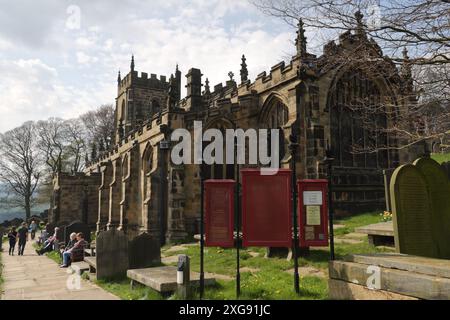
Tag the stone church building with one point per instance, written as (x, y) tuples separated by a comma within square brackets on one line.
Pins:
[(136, 188)]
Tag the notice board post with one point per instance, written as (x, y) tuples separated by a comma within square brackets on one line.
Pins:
[(293, 147)]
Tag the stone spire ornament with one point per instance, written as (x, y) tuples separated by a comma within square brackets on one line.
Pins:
[(301, 42), (406, 70), (132, 63), (119, 79), (207, 88), (359, 23), (244, 70), (231, 75)]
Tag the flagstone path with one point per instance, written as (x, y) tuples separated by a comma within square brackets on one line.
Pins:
[(33, 277)]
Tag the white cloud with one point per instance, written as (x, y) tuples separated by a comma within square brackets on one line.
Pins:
[(66, 72)]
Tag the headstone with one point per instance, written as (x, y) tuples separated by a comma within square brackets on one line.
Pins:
[(112, 254), (387, 175), (411, 208), (144, 251), (1, 240), (446, 167), (439, 188), (77, 226), (50, 227)]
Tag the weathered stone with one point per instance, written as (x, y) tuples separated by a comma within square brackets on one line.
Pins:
[(404, 282), (144, 251), (111, 254), (342, 290), (412, 213), (164, 279), (439, 188)]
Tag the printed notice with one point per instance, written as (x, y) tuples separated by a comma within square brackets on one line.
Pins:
[(309, 233), (312, 198), (313, 215)]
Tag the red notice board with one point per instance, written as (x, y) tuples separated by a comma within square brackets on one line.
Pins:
[(313, 213), (266, 209), (219, 213)]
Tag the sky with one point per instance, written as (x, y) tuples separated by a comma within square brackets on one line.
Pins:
[(60, 58)]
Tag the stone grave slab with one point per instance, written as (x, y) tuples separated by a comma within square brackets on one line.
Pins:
[(439, 188), (164, 279), (77, 226), (144, 251), (111, 259), (404, 275), (379, 233), (412, 217)]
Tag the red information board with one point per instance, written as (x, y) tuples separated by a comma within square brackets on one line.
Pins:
[(219, 213), (266, 208), (313, 213)]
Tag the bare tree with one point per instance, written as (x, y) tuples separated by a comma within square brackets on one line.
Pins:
[(100, 126), (20, 166), (51, 142), (76, 149), (416, 36)]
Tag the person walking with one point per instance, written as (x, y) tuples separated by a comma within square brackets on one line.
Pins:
[(33, 229), (12, 236), (23, 236)]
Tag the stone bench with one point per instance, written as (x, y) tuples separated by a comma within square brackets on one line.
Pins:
[(92, 262), (379, 234), (164, 279)]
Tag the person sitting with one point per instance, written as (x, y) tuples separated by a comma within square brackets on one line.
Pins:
[(71, 243), (43, 237), (76, 253), (49, 243)]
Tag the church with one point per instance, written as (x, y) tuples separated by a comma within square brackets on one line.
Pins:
[(136, 188)]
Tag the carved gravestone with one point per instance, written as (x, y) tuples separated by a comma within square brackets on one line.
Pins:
[(60, 233), (412, 217), (439, 188), (77, 226), (111, 254), (144, 251)]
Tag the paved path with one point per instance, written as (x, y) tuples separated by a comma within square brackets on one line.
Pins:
[(33, 277)]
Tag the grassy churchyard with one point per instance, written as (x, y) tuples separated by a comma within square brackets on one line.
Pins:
[(441, 157), (261, 278)]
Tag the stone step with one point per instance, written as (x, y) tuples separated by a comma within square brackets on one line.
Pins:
[(402, 282)]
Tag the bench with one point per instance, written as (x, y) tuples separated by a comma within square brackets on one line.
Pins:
[(92, 262), (379, 234), (164, 279)]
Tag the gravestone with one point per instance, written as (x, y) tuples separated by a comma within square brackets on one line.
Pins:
[(439, 188), (446, 167), (112, 254), (1, 240), (50, 228), (144, 251), (77, 226), (411, 208)]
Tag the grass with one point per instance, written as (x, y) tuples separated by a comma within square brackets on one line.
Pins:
[(121, 288), (441, 157), (356, 221)]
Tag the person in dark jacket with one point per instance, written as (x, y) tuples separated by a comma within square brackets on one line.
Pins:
[(12, 236), (23, 237)]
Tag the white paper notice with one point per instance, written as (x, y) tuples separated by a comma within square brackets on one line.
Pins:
[(312, 198)]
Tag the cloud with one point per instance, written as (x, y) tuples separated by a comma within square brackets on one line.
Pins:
[(55, 71)]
